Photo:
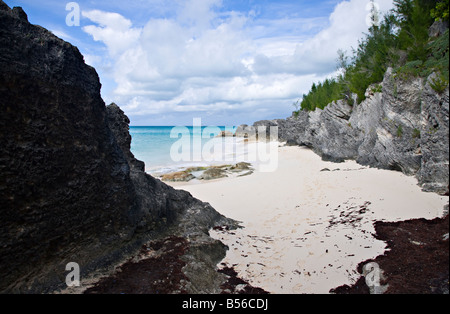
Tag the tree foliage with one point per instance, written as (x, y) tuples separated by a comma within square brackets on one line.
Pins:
[(322, 94), (400, 40), (440, 13)]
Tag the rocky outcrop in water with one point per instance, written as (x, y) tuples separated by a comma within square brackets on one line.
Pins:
[(70, 188), (405, 127)]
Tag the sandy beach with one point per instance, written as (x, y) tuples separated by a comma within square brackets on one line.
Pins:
[(307, 225)]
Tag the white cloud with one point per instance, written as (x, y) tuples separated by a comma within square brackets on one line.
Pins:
[(318, 54), (114, 31), (208, 62), (198, 14)]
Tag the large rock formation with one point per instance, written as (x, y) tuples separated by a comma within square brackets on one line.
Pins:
[(405, 127), (70, 188)]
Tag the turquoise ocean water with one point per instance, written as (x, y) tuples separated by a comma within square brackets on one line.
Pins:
[(152, 145)]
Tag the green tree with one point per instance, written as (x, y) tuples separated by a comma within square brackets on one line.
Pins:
[(414, 19), (440, 12), (371, 58), (400, 40)]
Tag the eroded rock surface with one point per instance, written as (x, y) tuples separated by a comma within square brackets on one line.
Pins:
[(70, 188), (403, 128)]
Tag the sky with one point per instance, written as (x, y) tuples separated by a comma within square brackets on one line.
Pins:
[(228, 62)]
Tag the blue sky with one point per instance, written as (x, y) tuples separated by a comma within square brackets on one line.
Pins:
[(228, 62)]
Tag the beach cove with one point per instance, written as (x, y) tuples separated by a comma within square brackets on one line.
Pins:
[(286, 205), (307, 225)]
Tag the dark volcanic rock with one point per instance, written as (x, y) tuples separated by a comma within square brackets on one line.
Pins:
[(70, 189), (61, 169), (118, 122)]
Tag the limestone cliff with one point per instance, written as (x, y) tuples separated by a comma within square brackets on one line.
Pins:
[(404, 127), (70, 189)]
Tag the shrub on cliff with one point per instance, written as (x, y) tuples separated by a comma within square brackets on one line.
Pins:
[(401, 41)]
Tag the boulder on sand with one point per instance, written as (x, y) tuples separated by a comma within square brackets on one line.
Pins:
[(240, 167), (180, 176), (213, 173), (225, 134)]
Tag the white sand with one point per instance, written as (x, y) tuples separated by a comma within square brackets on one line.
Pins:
[(303, 230)]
